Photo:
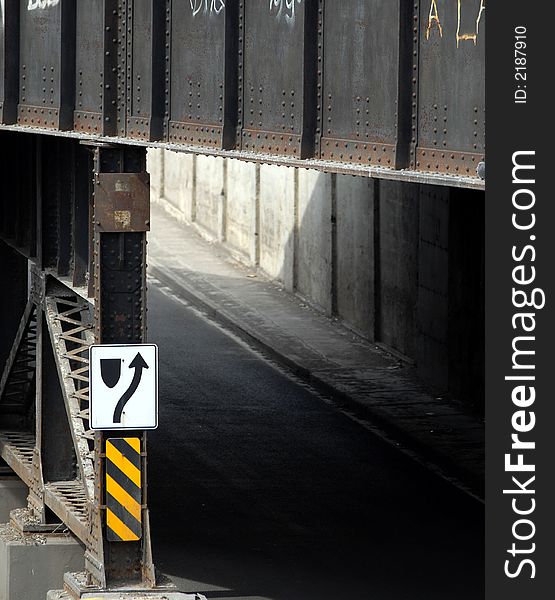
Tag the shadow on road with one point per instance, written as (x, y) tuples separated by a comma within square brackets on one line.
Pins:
[(260, 490)]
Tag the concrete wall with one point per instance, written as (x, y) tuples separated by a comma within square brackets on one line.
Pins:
[(277, 197), (355, 284), (387, 258), (314, 244), (398, 252), (242, 214)]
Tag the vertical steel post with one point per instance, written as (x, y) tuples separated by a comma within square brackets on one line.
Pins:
[(120, 317)]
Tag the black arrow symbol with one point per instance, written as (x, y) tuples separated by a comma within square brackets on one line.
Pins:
[(138, 363)]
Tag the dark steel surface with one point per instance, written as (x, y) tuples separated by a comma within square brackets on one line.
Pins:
[(90, 72), (346, 83), (47, 64), (201, 50), (9, 62), (358, 101), (18, 218), (144, 69), (122, 202), (277, 70), (451, 92)]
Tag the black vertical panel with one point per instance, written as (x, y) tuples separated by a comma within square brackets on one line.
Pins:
[(278, 76), (432, 340), (145, 72), (56, 192), (82, 176), (66, 216), (9, 60), (24, 162), (50, 200), (466, 296), (89, 58), (451, 86), (21, 212), (17, 197), (47, 63), (359, 81), (202, 66)]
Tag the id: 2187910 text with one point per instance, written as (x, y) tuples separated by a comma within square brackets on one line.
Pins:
[(520, 58)]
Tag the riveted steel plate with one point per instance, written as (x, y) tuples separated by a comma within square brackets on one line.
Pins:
[(46, 73), (122, 202), (451, 86), (89, 84), (196, 61), (145, 66), (275, 91), (344, 86), (359, 51), (9, 61)]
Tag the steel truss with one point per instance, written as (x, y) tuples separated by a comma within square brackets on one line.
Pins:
[(87, 284)]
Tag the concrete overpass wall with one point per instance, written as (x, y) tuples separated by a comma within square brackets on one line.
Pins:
[(388, 259)]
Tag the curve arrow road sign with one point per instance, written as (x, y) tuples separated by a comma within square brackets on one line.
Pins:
[(123, 386)]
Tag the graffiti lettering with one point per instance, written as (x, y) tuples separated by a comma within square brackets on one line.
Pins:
[(473, 37), (433, 17), (207, 6), (33, 4), (284, 9), (479, 17), (434, 21)]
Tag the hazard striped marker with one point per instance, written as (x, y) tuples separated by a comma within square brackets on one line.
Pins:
[(123, 489)]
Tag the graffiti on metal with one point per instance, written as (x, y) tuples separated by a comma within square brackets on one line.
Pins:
[(34, 4), (435, 22), (284, 9), (206, 6)]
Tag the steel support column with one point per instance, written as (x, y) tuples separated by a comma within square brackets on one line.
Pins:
[(120, 317)]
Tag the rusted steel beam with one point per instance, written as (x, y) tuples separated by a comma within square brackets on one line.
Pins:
[(392, 84)]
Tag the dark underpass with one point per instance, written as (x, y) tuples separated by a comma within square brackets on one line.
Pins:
[(259, 489)]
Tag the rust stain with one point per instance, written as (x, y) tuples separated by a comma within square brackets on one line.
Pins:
[(122, 219), (122, 186)]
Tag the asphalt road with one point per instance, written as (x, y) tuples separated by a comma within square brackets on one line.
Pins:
[(259, 489)]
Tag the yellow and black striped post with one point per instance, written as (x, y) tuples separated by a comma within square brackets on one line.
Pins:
[(123, 489)]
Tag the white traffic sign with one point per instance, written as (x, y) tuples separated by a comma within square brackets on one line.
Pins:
[(123, 386)]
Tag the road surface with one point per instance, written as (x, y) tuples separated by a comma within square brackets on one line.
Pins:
[(261, 490)]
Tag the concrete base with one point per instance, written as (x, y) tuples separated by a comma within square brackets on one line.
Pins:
[(61, 595), (13, 494), (33, 564), (76, 588)]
